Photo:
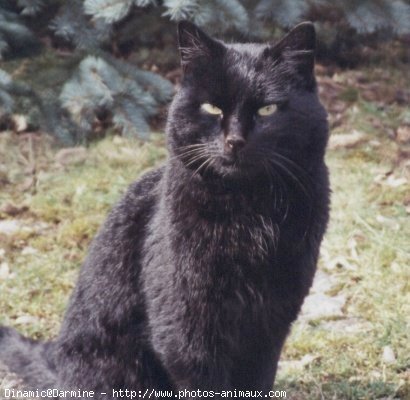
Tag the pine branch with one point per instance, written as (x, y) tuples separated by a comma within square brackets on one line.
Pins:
[(367, 17), (6, 104), (400, 13), (99, 86), (216, 15), (130, 120), (160, 88), (144, 3), (72, 25), (108, 10), (30, 7), (15, 37), (4, 46), (178, 10), (6, 101), (5, 79), (232, 13), (285, 13)]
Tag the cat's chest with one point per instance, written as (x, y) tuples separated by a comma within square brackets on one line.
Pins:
[(244, 239), (227, 264)]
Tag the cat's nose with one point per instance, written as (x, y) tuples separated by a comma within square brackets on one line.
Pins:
[(234, 143)]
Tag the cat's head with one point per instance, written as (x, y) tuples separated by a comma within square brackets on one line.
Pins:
[(245, 110)]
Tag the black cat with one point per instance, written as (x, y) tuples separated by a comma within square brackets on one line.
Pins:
[(197, 274)]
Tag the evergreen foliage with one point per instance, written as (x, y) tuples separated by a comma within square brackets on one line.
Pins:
[(30, 7), (73, 26), (112, 10), (107, 86), (283, 12), (364, 16), (99, 87), (6, 101), (216, 15), (343, 27), (15, 36), (368, 16)]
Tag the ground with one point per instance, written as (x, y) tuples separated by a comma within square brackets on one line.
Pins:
[(352, 340)]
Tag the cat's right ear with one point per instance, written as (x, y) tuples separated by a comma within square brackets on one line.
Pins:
[(297, 48), (196, 46)]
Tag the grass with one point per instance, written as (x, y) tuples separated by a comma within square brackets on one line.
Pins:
[(366, 249), (369, 234), (65, 206)]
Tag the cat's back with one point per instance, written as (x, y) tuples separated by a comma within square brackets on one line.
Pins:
[(128, 219), (107, 293)]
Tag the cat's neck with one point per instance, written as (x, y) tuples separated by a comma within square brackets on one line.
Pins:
[(214, 195)]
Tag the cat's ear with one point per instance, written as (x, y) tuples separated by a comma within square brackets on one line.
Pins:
[(194, 44), (301, 38), (297, 47)]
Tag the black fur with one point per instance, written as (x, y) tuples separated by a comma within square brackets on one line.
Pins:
[(198, 272)]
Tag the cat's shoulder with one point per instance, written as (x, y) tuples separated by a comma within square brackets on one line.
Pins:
[(146, 185), (138, 199)]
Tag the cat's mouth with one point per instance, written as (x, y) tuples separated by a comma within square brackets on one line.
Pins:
[(216, 167), (229, 166), (215, 163), (229, 161)]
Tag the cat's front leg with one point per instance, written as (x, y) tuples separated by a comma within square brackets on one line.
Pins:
[(192, 366), (192, 374)]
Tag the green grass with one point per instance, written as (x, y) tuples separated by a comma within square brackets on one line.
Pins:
[(71, 202), (366, 249), (374, 276)]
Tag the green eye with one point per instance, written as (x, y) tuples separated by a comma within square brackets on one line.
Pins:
[(210, 109), (267, 110)]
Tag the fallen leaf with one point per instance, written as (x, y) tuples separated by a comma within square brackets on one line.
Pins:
[(347, 326), (26, 320), (337, 106), (12, 210), (28, 250), (298, 365), (322, 283), (382, 176), (352, 244), (388, 222), (71, 156), (396, 268), (4, 271), (340, 262), (375, 143), (10, 226), (27, 184), (392, 181), (307, 359), (388, 356), (403, 134), (118, 140), (20, 123), (319, 305), (347, 140), (80, 189), (375, 374)]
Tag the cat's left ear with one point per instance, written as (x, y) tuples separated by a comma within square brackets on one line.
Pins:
[(297, 47), (195, 45)]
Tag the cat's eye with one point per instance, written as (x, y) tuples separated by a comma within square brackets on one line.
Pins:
[(267, 110), (211, 109)]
